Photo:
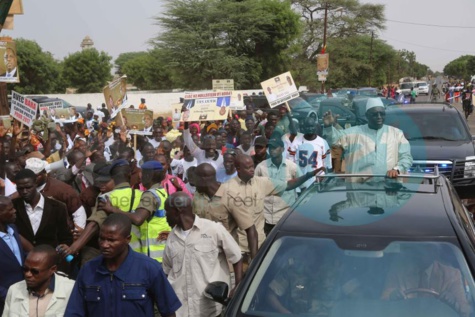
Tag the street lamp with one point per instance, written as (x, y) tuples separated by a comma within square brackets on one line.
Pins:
[(325, 22)]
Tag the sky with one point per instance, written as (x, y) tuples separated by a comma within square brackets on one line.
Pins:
[(59, 26)]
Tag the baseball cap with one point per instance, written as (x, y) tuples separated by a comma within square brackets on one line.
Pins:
[(101, 172), (275, 142), (119, 163), (260, 141), (36, 165), (152, 165)]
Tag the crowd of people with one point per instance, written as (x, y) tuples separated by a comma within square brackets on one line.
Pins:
[(144, 223)]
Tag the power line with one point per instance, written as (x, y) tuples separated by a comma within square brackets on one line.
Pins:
[(434, 25), (432, 48)]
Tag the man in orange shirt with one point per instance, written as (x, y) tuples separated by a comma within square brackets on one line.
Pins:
[(142, 104)]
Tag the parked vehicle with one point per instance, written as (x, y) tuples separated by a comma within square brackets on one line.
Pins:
[(422, 87), (439, 137)]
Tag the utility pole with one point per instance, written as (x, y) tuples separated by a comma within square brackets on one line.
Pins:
[(371, 58), (325, 37)]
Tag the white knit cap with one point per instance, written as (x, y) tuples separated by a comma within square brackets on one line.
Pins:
[(374, 102)]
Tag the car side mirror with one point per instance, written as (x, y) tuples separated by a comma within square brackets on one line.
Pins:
[(218, 292)]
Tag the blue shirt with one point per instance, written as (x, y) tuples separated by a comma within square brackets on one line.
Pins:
[(132, 290), (10, 240), (222, 177)]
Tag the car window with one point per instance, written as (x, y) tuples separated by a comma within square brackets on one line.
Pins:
[(304, 276), (407, 86), (427, 126), (343, 113)]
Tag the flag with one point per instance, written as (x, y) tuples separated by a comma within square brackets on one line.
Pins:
[(324, 48)]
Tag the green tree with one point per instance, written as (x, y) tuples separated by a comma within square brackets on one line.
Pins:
[(147, 71), (124, 58), (87, 70), (459, 67), (244, 40), (39, 72)]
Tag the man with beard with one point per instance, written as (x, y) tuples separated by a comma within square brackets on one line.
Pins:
[(43, 292), (374, 148)]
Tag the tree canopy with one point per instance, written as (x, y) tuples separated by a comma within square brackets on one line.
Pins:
[(461, 67), (87, 70)]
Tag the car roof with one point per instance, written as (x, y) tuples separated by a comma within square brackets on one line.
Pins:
[(339, 207)]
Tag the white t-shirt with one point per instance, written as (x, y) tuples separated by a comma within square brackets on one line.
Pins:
[(186, 165), (312, 154)]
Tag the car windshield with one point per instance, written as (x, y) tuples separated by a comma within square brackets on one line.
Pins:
[(406, 86), (303, 276), (428, 126), (298, 103), (368, 92), (421, 84)]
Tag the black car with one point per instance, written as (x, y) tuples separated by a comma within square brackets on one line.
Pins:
[(364, 249), (439, 136), (338, 107)]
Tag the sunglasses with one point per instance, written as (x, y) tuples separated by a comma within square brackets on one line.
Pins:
[(34, 272), (378, 113)]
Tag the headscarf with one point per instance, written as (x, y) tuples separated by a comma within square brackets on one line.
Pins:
[(195, 125), (212, 126)]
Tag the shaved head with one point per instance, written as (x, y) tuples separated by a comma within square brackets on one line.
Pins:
[(243, 159), (205, 169)]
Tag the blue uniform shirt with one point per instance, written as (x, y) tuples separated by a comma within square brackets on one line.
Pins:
[(132, 290)]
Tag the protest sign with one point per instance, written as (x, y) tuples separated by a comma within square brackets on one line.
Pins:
[(237, 101), (62, 115), (137, 121), (223, 84), (45, 107), (115, 95), (280, 89), (176, 112), (8, 69), (4, 9), (23, 109), (6, 122), (206, 106)]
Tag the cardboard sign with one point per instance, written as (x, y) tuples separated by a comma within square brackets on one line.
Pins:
[(237, 101), (51, 105), (6, 122), (206, 106), (62, 115), (9, 68), (115, 95), (23, 109), (136, 120), (280, 89), (223, 84)]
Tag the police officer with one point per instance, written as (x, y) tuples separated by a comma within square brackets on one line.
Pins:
[(155, 231)]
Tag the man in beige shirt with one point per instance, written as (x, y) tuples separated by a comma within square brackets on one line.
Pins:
[(197, 253), (277, 168), (42, 293)]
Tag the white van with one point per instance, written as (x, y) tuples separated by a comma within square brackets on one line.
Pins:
[(422, 87)]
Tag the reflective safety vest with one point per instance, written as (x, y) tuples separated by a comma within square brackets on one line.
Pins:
[(127, 200), (157, 224)]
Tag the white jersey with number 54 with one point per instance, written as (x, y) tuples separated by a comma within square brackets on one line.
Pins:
[(312, 154)]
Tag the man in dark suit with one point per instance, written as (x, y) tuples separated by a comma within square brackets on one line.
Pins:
[(11, 251), (10, 63), (40, 220)]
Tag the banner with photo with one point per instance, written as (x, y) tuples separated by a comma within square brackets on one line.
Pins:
[(323, 61), (6, 122), (206, 106), (176, 112), (23, 109), (115, 95), (280, 89), (137, 121), (9, 68)]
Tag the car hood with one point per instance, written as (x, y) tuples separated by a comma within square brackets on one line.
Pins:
[(441, 150)]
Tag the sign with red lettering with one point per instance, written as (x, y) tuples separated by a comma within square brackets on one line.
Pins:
[(23, 109)]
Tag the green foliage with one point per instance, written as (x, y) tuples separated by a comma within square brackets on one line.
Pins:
[(39, 72), (146, 71), (462, 67), (208, 39), (124, 58), (87, 70)]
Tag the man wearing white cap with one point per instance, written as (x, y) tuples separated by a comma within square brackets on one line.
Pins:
[(51, 187), (374, 148)]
